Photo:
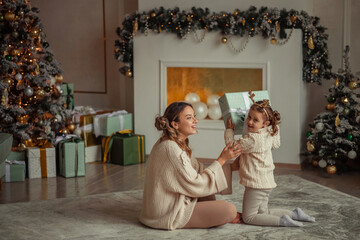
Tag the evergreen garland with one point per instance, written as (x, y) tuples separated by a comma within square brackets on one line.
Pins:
[(269, 22)]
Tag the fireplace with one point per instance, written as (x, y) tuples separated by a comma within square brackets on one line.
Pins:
[(280, 68)]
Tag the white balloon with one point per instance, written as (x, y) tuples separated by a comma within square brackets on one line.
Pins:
[(200, 109), (214, 112), (213, 99), (322, 163), (192, 98), (352, 154), (319, 126)]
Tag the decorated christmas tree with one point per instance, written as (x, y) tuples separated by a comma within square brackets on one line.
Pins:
[(31, 108), (333, 141)]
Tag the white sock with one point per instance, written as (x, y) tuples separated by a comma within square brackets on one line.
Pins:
[(299, 215), (286, 221)]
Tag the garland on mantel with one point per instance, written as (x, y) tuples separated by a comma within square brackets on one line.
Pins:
[(269, 22)]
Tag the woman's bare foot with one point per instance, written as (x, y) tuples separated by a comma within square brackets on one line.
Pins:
[(237, 219)]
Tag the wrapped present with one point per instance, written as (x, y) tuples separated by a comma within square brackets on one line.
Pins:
[(71, 159), (14, 171), (236, 105), (123, 148), (86, 125), (93, 153), (108, 123), (41, 162), (68, 93)]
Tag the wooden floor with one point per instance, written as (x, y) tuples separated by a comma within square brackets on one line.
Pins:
[(104, 178)]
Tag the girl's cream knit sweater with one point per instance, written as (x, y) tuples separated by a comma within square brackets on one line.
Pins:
[(173, 183)]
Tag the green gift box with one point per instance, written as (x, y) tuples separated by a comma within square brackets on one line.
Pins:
[(17, 155), (71, 158), (109, 123), (236, 105), (14, 171), (68, 93), (124, 149)]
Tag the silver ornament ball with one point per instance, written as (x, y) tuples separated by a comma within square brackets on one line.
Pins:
[(319, 126), (352, 154), (28, 91)]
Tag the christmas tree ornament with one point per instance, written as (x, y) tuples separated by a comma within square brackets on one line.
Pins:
[(315, 163), (52, 80), (49, 58), (311, 43), (47, 129), (319, 126), (128, 73), (153, 14), (345, 100), (315, 71), (337, 120), (9, 16), (310, 147), (308, 134), (71, 127), (37, 69), (8, 81), (224, 40), (8, 57), (331, 99), (58, 117), (201, 110), (336, 82), (34, 32), (346, 111), (23, 119), (277, 26), (352, 85), (330, 106), (15, 52), (40, 93), (59, 78), (135, 26), (22, 147), (28, 91), (322, 163), (28, 142), (350, 137), (243, 22), (236, 12), (77, 131), (2, 18), (352, 154), (192, 98), (293, 18), (336, 154), (15, 34), (357, 119), (18, 76), (5, 98), (331, 169), (273, 40), (41, 122)]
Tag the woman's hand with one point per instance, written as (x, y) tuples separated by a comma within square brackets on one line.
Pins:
[(229, 124), (229, 152)]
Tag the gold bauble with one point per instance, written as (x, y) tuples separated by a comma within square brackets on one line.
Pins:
[(224, 40), (345, 100), (352, 85), (153, 14), (309, 146), (65, 131), (330, 106), (59, 78), (311, 43), (9, 16), (336, 82), (273, 41), (28, 142), (337, 120), (128, 73), (40, 93), (236, 12), (243, 22), (331, 169), (71, 127), (315, 71), (8, 81), (293, 18), (315, 163)]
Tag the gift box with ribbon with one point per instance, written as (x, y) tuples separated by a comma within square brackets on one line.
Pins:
[(14, 171), (236, 105), (124, 148), (71, 154), (108, 123), (41, 161), (68, 93)]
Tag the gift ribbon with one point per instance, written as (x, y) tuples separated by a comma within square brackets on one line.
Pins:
[(141, 148), (7, 168), (107, 142), (43, 165), (240, 110)]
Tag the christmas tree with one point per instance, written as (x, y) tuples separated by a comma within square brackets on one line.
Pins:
[(32, 108), (334, 139)]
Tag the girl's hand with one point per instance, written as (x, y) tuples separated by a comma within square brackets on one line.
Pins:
[(229, 124), (229, 152)]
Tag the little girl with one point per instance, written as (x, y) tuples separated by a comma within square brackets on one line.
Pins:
[(256, 167)]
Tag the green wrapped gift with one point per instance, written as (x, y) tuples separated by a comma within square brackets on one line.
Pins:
[(68, 93), (109, 123), (124, 149), (71, 158), (236, 105), (6, 140), (17, 155), (14, 171)]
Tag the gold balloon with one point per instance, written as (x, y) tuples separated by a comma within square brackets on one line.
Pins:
[(337, 120), (344, 100), (352, 85), (128, 73), (331, 169), (336, 82), (330, 106), (310, 147), (311, 43), (224, 40), (9, 16), (273, 41)]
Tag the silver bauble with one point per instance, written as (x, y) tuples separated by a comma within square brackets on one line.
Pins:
[(28, 91), (322, 163), (18, 76), (352, 154), (319, 126)]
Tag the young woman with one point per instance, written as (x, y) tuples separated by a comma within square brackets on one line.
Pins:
[(179, 192), (256, 168)]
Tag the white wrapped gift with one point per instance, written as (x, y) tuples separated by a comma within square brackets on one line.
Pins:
[(42, 162)]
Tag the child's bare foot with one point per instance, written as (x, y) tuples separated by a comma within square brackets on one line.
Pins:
[(237, 219)]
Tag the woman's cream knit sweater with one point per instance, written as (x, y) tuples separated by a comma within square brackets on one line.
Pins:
[(173, 183)]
